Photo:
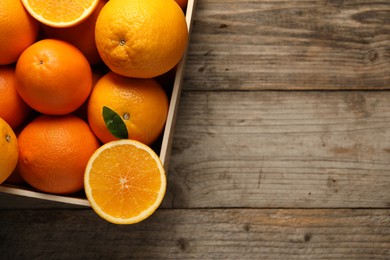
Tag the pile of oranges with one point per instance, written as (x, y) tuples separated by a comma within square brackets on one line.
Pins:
[(80, 83)]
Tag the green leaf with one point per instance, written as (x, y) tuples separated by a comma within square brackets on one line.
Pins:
[(115, 123)]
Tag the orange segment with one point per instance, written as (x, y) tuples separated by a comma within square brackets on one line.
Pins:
[(60, 13), (124, 181)]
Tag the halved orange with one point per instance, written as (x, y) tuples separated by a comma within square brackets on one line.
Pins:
[(60, 13), (124, 181)]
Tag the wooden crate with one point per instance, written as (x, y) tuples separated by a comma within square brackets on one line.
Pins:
[(164, 145)]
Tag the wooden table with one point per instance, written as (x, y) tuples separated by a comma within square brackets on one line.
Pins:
[(281, 148)]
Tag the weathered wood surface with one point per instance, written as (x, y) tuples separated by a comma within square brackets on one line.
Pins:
[(243, 149), (282, 149), (284, 44), (198, 234)]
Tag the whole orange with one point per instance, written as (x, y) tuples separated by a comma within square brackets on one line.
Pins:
[(54, 151), (12, 107), (18, 30), (82, 35), (141, 38), (53, 77), (141, 105)]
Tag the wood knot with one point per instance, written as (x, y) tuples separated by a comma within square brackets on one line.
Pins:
[(375, 17), (307, 237), (247, 227), (356, 103), (183, 244), (371, 56), (332, 184)]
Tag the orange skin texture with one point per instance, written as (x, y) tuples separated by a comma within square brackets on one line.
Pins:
[(53, 77), (143, 100), (54, 151), (12, 107), (9, 150), (15, 178), (141, 38), (18, 30)]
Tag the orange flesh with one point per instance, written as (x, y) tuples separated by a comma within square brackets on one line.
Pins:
[(60, 10), (135, 187)]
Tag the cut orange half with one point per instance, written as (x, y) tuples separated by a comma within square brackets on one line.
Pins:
[(60, 13), (124, 181)]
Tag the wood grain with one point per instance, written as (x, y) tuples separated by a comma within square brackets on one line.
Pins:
[(284, 44), (198, 234), (257, 171), (281, 149)]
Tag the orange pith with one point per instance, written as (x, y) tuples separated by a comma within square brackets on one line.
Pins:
[(60, 13), (124, 181)]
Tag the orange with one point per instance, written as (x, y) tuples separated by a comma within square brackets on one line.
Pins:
[(53, 77), (60, 13), (15, 177), (54, 151), (12, 107), (141, 38), (124, 181), (141, 105), (18, 30), (82, 35), (182, 3), (82, 110), (9, 150)]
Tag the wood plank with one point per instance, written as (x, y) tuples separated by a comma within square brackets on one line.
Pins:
[(281, 149), (289, 44), (198, 234)]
